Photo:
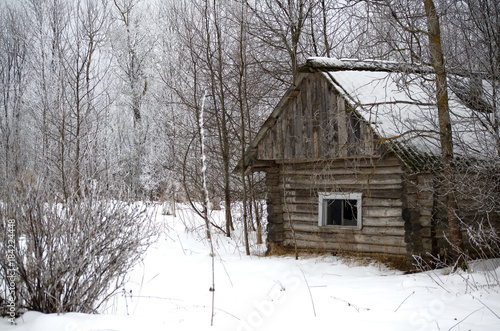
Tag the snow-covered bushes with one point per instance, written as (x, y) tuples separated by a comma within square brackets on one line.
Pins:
[(66, 257)]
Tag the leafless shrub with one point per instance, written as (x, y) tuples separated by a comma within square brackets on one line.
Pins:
[(71, 256), (477, 188)]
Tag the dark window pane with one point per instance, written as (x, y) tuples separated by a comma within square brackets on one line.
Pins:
[(334, 212), (350, 212)]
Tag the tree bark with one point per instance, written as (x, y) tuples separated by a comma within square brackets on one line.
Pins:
[(437, 58), (242, 104)]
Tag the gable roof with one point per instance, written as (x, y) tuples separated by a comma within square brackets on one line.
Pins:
[(397, 100)]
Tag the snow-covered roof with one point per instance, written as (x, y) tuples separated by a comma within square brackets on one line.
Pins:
[(393, 109), (398, 102)]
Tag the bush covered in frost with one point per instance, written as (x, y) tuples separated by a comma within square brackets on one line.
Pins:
[(66, 257)]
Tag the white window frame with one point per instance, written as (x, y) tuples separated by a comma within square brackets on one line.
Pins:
[(323, 196)]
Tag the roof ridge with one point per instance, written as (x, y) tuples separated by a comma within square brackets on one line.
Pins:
[(333, 64)]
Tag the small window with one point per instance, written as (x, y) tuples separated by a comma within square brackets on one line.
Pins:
[(340, 209)]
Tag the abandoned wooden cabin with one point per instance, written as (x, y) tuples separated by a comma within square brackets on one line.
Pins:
[(348, 154)]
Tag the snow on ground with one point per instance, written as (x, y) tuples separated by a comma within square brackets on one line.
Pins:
[(170, 290)]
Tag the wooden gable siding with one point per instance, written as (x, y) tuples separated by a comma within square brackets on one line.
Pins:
[(316, 123), (294, 203)]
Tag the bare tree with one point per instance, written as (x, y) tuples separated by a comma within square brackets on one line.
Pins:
[(445, 129), (49, 21), (215, 57), (90, 30), (69, 94), (472, 35), (282, 26), (242, 101), (473, 50), (46, 26), (13, 57), (132, 49)]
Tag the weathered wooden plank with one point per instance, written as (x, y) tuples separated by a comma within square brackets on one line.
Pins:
[(425, 212), (300, 199), (276, 137), (382, 212), (294, 138), (373, 231), (316, 90), (305, 122), (298, 131), (382, 222), (373, 202), (346, 238), (272, 136), (345, 187), (368, 139), (425, 221), (330, 124), (353, 177), (349, 238), (343, 247), (264, 151), (322, 117), (346, 179), (342, 126), (426, 232), (343, 166), (299, 208), (354, 163), (309, 113), (340, 171), (312, 219), (261, 150), (287, 138), (374, 192)]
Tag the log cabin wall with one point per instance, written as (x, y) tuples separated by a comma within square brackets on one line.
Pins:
[(380, 180), (319, 145)]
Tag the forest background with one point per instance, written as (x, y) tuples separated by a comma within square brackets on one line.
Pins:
[(105, 96)]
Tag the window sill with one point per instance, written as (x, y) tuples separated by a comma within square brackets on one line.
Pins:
[(327, 228)]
